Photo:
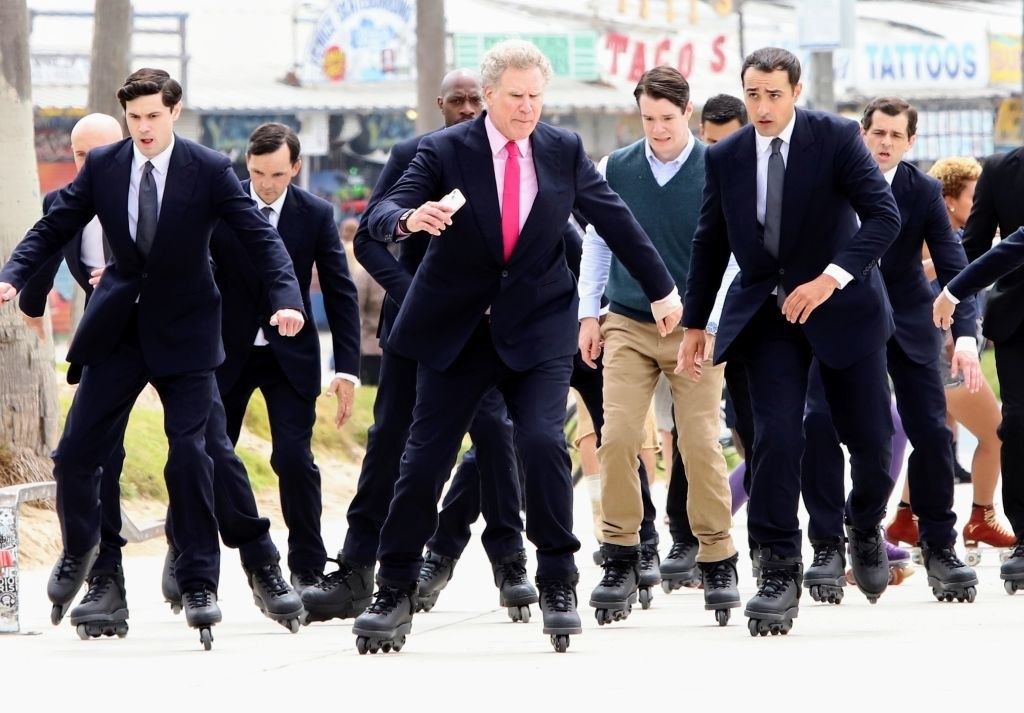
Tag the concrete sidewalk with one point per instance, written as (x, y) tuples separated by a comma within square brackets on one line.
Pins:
[(908, 651)]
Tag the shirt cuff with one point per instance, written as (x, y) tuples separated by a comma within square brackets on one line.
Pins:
[(588, 308), (666, 305), (347, 377), (949, 296), (838, 274), (966, 344)]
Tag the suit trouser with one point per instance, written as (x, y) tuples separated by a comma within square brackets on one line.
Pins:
[(778, 358), (678, 486), (1010, 369), (589, 384), (385, 443), (921, 403), (487, 481), (635, 357), (536, 401), (105, 396), (291, 416), (238, 517)]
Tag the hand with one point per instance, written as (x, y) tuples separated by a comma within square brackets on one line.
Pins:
[(670, 321), (709, 346), (287, 321), (7, 292), (942, 311), (345, 391), (808, 297), (96, 275), (431, 217), (36, 325), (690, 359), (966, 363), (591, 343)]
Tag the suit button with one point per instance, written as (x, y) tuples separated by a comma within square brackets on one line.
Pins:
[(504, 273), (145, 275), (782, 271)]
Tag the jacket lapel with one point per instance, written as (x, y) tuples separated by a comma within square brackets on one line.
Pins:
[(481, 190), (181, 173), (801, 167)]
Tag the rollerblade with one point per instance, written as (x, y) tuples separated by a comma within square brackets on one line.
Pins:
[(720, 592), (984, 529), (558, 608), (303, 579), (339, 595), (387, 621), (826, 577), (869, 562), (949, 577), (679, 568), (103, 610), (435, 573), (777, 602), (274, 597), (514, 589), (66, 579), (1012, 570), (650, 573), (899, 565), (903, 528), (168, 584), (201, 612), (614, 596)]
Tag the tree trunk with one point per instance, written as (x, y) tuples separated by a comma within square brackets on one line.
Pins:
[(430, 62), (29, 412), (111, 56)]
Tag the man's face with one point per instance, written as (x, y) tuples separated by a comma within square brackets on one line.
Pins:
[(515, 102), (150, 123), (887, 139), (665, 126), (272, 172), (462, 102), (85, 140), (712, 133), (770, 99)]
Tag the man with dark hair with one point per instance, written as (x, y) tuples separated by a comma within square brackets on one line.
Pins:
[(889, 128), (784, 196), (721, 116), (154, 318), (660, 178), (287, 371)]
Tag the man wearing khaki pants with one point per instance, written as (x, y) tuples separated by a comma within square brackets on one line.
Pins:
[(661, 179)]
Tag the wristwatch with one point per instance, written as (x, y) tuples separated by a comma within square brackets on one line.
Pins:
[(403, 222), (712, 328)]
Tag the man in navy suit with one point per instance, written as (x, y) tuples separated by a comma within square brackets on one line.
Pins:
[(347, 591), (493, 304), (287, 370), (889, 126), (153, 318), (784, 195)]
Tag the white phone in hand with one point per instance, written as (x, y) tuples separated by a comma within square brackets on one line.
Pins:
[(455, 199)]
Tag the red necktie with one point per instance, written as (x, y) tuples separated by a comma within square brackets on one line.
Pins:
[(510, 200)]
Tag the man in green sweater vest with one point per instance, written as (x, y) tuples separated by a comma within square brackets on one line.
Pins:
[(661, 179)]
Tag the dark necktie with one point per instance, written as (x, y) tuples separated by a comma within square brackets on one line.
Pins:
[(145, 228), (267, 212), (106, 246), (510, 201), (773, 199)]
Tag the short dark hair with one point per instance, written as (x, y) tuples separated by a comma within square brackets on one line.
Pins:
[(773, 59), (890, 106), (146, 81), (723, 108), (664, 83), (269, 137)]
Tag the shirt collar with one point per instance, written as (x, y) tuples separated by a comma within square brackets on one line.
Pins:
[(498, 141), (160, 162), (276, 205), (764, 143), (890, 174), (678, 160)]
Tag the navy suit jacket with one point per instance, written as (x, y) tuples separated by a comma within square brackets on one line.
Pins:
[(173, 288), (923, 220), (532, 298), (306, 225), (1000, 261), (998, 204), (831, 179)]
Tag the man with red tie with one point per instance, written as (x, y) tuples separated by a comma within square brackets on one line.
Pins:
[(494, 304)]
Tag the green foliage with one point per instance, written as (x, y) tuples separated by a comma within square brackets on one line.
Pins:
[(988, 368)]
